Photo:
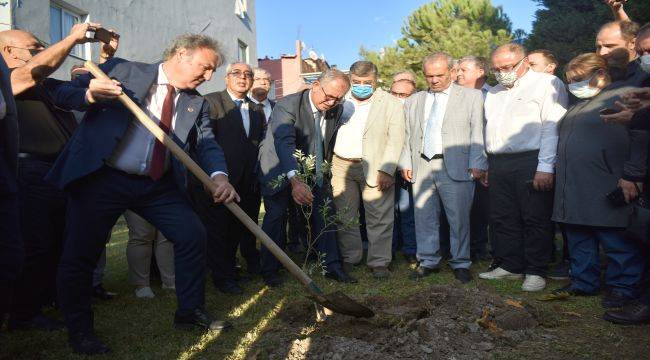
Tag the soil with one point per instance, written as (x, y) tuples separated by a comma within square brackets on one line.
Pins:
[(444, 322)]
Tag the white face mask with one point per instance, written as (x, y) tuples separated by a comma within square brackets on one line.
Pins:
[(645, 63), (403, 101), (507, 79), (582, 89)]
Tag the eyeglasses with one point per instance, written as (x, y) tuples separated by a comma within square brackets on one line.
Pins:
[(244, 74), (32, 51), (400, 95), (508, 68), (330, 98)]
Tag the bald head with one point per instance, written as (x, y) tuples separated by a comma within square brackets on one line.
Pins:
[(617, 38), (15, 46)]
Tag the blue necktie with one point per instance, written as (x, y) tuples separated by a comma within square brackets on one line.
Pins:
[(318, 138), (239, 103), (428, 149)]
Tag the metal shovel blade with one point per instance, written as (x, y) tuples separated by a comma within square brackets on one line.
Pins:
[(340, 303)]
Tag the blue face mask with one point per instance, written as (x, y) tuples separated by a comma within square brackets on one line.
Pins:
[(362, 91)]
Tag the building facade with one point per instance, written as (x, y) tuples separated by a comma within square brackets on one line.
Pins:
[(146, 27), (292, 73)]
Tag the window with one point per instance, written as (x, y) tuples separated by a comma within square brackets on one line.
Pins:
[(61, 21), (241, 9), (242, 52)]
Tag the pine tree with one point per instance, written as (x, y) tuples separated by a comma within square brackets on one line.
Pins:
[(458, 27)]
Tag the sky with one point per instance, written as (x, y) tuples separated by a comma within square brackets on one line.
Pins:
[(338, 28)]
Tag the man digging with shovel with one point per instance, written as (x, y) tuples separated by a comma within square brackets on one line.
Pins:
[(112, 163)]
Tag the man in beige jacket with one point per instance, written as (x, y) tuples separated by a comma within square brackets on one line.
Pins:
[(367, 150)]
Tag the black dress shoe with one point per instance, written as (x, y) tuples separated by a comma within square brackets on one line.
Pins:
[(463, 275), (87, 344), (38, 322), (633, 313), (422, 271), (100, 293), (201, 319), (273, 280), (230, 287), (411, 259), (614, 299), (340, 276)]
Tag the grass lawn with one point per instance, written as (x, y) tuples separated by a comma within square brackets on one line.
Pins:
[(142, 329)]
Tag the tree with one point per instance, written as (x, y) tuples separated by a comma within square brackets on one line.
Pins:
[(569, 27), (458, 27)]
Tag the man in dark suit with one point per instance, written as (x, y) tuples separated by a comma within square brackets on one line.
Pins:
[(44, 129), (112, 163), (238, 126), (259, 95), (11, 249), (259, 91), (305, 121)]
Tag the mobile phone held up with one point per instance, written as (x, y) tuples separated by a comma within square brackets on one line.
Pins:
[(104, 35)]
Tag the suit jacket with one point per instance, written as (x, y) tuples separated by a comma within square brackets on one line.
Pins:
[(291, 127), (241, 151), (104, 125), (462, 132), (383, 136), (8, 135)]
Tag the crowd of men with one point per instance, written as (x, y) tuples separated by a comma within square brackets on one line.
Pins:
[(456, 173)]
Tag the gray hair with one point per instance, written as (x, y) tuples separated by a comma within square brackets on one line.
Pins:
[(229, 67), (512, 48), (192, 42), (258, 70), (479, 62), (405, 75), (331, 75), (436, 56)]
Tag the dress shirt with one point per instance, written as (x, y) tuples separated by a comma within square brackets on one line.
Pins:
[(267, 107), (314, 111), (243, 109), (441, 98), (524, 117), (133, 153), (485, 89), (349, 139)]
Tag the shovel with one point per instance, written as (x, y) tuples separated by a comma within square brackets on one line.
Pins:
[(337, 301)]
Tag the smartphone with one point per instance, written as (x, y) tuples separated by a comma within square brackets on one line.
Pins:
[(104, 35), (616, 197), (608, 111)]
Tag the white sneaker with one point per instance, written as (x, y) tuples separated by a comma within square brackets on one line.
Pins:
[(498, 274), (144, 293), (533, 283)]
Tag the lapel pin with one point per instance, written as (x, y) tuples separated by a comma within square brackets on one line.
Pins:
[(190, 109)]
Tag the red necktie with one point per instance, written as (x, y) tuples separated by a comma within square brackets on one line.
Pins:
[(159, 150)]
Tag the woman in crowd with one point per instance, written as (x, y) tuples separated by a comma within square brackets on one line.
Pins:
[(596, 174)]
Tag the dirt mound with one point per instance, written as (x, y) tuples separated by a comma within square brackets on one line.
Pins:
[(445, 322)]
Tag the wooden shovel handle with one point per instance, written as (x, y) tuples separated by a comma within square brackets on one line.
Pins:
[(195, 169)]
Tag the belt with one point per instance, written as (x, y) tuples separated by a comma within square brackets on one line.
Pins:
[(435, 157), (44, 158), (349, 160)]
